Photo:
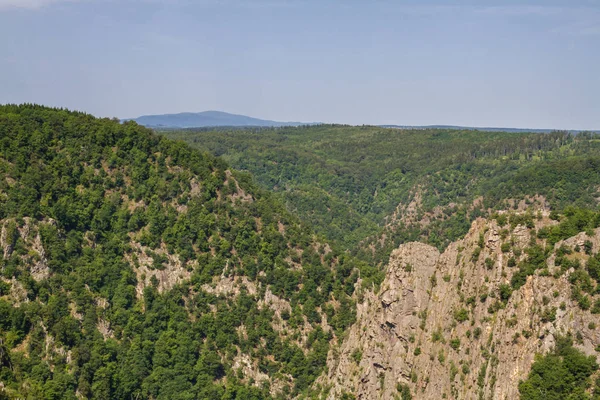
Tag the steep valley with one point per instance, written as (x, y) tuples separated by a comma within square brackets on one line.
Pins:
[(133, 266)]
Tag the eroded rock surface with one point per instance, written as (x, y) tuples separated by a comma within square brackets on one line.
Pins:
[(440, 324)]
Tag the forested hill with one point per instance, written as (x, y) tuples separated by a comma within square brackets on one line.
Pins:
[(371, 188), (132, 266)]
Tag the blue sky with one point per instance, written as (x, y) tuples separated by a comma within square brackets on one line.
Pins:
[(478, 63)]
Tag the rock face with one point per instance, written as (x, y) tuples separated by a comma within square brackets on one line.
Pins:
[(28, 232), (441, 324)]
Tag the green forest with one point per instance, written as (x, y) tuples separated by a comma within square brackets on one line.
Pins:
[(101, 197), (348, 181), (228, 264)]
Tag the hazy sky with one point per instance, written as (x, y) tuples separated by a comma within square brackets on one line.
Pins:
[(479, 63)]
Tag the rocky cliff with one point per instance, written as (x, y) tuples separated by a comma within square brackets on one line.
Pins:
[(450, 325)]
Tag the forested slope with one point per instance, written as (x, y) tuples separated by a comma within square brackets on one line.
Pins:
[(371, 188), (132, 266)]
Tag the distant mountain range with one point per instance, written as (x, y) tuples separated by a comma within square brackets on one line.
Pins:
[(206, 118), (486, 129), (223, 119)]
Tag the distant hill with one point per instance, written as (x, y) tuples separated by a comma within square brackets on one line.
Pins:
[(211, 119), (206, 118), (486, 129)]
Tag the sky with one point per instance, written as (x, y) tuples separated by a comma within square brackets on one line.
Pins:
[(526, 64)]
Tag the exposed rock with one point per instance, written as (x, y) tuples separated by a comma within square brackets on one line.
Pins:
[(171, 273), (18, 293), (244, 363), (239, 193), (103, 327), (277, 304), (438, 326), (7, 248), (28, 233), (73, 311), (39, 270), (230, 286), (102, 303)]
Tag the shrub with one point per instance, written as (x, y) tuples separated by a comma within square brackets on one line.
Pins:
[(404, 391), (356, 355), (461, 315), (592, 325), (549, 314), (476, 253), (437, 336), (455, 343), (563, 374), (505, 292)]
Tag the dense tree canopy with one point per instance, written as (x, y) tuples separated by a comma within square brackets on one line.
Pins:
[(349, 181), (114, 241), (135, 266)]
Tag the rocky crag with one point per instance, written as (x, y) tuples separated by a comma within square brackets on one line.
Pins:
[(449, 325)]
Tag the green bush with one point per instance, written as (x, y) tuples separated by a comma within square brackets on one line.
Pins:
[(562, 374), (461, 315)]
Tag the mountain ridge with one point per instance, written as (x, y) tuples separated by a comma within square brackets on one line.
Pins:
[(210, 118), (488, 128), (216, 118)]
